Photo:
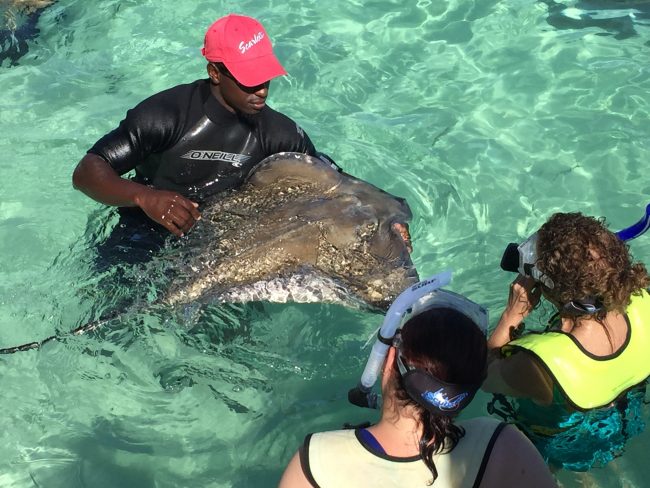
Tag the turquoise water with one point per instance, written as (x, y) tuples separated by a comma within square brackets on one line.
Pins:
[(486, 116)]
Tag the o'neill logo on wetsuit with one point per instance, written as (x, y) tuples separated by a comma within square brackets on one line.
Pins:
[(235, 159), (245, 46)]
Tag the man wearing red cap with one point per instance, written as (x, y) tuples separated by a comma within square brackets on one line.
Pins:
[(194, 140)]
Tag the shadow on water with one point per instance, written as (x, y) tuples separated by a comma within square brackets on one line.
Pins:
[(100, 458), (112, 453), (215, 414), (19, 25), (84, 290), (617, 18)]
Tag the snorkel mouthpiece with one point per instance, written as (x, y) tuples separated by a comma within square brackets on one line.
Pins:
[(363, 397)]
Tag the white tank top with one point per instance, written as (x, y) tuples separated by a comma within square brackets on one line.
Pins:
[(338, 459)]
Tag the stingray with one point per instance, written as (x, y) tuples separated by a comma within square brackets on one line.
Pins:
[(299, 231), (18, 25), (614, 17), (296, 231)]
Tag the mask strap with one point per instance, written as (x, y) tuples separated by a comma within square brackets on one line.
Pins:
[(431, 393), (586, 306)]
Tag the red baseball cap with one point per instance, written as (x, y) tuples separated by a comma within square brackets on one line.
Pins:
[(242, 44)]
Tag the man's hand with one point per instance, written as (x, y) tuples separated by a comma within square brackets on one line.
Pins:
[(170, 209), (403, 231), (97, 179)]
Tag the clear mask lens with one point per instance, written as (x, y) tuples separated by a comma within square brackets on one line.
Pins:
[(528, 259)]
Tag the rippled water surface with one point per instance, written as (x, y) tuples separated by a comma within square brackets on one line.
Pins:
[(486, 116)]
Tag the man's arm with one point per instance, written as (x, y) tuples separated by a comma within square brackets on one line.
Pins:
[(97, 179)]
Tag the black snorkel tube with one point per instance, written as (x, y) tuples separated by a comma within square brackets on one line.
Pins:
[(362, 395)]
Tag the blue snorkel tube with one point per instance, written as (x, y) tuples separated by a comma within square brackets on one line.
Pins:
[(634, 231), (362, 395)]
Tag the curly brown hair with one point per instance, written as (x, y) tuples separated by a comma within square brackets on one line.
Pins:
[(585, 259)]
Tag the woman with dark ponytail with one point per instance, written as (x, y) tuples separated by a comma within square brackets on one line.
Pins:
[(436, 364)]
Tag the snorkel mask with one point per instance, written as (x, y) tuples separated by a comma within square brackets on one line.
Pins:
[(428, 391), (522, 259)]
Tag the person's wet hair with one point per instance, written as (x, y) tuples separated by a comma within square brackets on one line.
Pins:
[(448, 345), (585, 259)]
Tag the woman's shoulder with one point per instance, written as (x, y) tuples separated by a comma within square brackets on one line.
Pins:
[(514, 461)]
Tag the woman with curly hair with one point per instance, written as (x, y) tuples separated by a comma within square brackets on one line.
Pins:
[(579, 385), (433, 369)]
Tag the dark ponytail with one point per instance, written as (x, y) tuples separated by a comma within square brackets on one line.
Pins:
[(439, 435)]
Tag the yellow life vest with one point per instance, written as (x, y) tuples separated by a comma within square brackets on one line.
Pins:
[(589, 381), (337, 458)]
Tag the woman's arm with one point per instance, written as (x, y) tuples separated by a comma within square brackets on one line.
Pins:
[(519, 375), (523, 297)]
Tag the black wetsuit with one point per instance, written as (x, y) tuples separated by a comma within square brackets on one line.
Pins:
[(183, 139)]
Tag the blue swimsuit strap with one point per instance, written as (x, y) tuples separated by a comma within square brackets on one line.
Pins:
[(370, 441)]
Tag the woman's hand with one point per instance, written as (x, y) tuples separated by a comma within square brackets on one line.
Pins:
[(523, 298)]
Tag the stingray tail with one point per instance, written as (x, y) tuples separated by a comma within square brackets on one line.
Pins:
[(82, 329)]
